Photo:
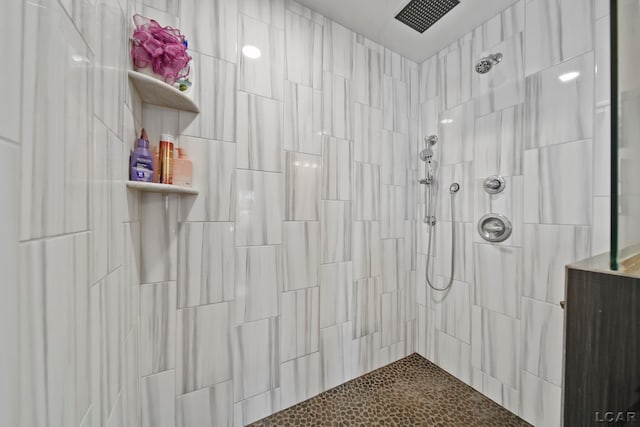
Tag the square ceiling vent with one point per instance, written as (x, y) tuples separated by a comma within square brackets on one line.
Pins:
[(421, 14)]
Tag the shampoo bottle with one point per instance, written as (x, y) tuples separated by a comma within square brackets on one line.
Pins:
[(141, 161)]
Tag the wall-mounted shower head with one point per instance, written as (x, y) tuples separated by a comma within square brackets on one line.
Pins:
[(486, 63), (430, 140)]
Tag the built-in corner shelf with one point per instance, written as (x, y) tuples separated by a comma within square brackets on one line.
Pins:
[(154, 91), (160, 188)]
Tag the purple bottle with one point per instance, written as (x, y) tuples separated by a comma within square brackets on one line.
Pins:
[(141, 161)]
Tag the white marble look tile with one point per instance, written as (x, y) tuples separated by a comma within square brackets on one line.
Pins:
[(429, 122), (268, 11), (365, 354), (302, 119), (213, 174), (456, 133), (366, 246), (393, 64), (498, 278), (453, 356), (456, 311), (394, 158), (500, 393), (396, 105), (499, 142), (336, 282), (390, 318), (303, 46), (168, 6), (259, 133), (256, 407), (603, 60), (336, 106), (299, 327), (99, 202), (205, 263), (449, 79), (335, 231), (393, 263), (258, 283), (11, 29), (602, 152), (157, 327), (542, 330), (303, 180), (264, 75), (559, 111), (463, 255), (214, 91), (159, 237), (337, 173), (337, 49), (366, 306), (256, 367), (495, 345), (429, 79), (259, 208), (509, 203), (504, 85), (300, 379), (462, 173), (203, 356), (366, 192), (556, 31), (541, 402), (157, 398), (54, 200), (601, 231), (392, 206), (557, 183), (210, 27), (367, 133), (211, 406), (547, 249), (335, 354), (502, 26), (367, 76), (300, 254)]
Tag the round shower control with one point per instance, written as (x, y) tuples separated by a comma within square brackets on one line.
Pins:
[(494, 227), (494, 184)]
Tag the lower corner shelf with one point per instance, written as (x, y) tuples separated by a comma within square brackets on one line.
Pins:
[(160, 188)]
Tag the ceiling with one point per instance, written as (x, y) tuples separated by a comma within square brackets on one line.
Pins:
[(375, 19)]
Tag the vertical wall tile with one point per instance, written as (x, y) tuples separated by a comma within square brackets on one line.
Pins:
[(456, 312), (337, 159), (396, 104), (159, 238), (368, 74), (256, 367), (336, 106), (303, 174), (498, 278), (540, 401), (457, 134), (211, 27), (299, 327), (336, 281), (259, 208), (335, 354), (366, 191), (366, 249), (215, 93), (303, 43), (394, 158), (11, 107), (213, 175), (556, 31), (499, 143), (157, 327), (203, 356), (558, 111), (259, 133), (258, 283), (158, 399), (300, 379), (367, 133), (270, 11), (210, 406), (256, 407), (205, 263), (393, 259), (453, 356), (335, 230), (542, 330), (603, 59), (302, 119), (366, 307), (264, 75), (337, 49), (391, 211), (300, 254)]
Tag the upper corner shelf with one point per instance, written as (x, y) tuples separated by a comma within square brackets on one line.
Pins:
[(154, 91), (160, 188)]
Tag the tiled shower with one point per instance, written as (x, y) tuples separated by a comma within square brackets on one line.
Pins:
[(301, 263)]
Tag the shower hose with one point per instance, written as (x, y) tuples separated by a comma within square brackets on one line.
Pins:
[(453, 242)]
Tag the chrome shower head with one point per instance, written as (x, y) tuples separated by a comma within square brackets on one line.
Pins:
[(426, 155), (430, 140), (488, 62)]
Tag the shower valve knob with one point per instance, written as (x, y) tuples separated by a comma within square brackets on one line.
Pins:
[(494, 184)]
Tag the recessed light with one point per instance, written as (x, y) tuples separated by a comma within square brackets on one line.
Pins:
[(251, 52), (566, 77), (446, 121)]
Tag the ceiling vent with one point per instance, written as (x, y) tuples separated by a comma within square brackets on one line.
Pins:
[(421, 14)]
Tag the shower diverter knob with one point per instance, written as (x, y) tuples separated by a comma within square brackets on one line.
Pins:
[(494, 227)]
